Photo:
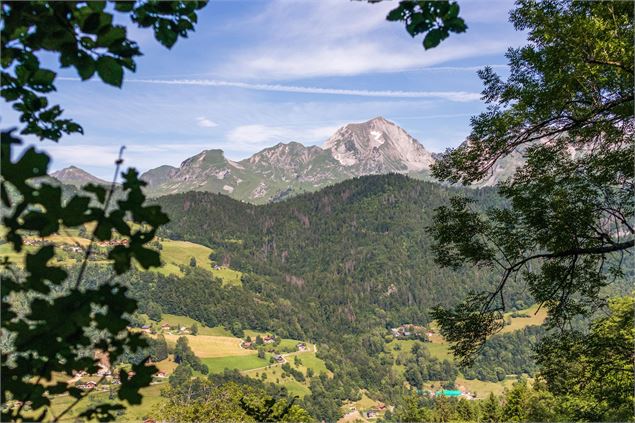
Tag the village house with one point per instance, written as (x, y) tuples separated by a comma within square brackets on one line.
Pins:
[(88, 385), (371, 414), (161, 375), (278, 358), (165, 326), (247, 344), (301, 346), (268, 339), (112, 242)]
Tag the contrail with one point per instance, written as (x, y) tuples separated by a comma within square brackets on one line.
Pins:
[(458, 96)]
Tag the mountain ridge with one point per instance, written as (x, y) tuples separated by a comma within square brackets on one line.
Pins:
[(377, 146)]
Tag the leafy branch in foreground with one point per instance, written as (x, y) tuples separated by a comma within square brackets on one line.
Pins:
[(435, 19), (83, 35), (53, 325), (567, 107)]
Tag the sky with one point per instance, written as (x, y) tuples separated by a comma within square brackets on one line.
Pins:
[(259, 72)]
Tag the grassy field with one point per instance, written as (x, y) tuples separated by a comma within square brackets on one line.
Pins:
[(310, 360), (482, 388), (275, 375), (180, 253), (206, 346), (244, 362), (174, 320), (173, 254), (150, 403), (536, 318)]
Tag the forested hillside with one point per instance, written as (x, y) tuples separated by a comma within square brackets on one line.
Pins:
[(356, 254)]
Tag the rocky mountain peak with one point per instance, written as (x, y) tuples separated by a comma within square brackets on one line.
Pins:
[(378, 146), (73, 175)]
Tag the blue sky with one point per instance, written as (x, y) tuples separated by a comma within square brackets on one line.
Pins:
[(259, 72)]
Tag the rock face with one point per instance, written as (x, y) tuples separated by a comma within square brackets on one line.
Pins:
[(378, 146), (73, 175)]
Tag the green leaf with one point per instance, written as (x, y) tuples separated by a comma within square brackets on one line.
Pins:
[(110, 71), (433, 38), (43, 77)]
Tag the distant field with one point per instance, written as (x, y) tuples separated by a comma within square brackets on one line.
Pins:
[(534, 319), (205, 346), (309, 360), (244, 362), (173, 254), (274, 375), (482, 388), (174, 320), (149, 404), (166, 366), (180, 253)]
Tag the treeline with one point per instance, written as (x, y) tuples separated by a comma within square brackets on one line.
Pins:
[(422, 367), (506, 354), (522, 403)]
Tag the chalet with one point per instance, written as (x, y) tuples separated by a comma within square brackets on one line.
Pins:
[(268, 339), (278, 358), (88, 385), (301, 346), (371, 414), (161, 375), (247, 344), (381, 406), (103, 370), (165, 326), (112, 242)]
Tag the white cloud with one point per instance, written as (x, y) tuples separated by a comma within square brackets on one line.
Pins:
[(251, 135), (460, 96), (204, 122), (339, 38)]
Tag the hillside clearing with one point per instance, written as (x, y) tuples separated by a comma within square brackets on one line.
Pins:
[(205, 346)]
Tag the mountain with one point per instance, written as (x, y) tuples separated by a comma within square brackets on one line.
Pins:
[(377, 146), (77, 177)]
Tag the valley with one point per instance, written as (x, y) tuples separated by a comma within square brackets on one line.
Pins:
[(253, 272)]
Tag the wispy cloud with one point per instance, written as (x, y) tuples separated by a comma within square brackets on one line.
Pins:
[(460, 96), (204, 122), (292, 40), (267, 135)]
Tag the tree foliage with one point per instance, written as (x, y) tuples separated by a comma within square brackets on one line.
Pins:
[(435, 19), (567, 106), (63, 321), (592, 372), (51, 324), (83, 36)]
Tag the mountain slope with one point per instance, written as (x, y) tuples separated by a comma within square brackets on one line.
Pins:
[(77, 177), (351, 253)]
